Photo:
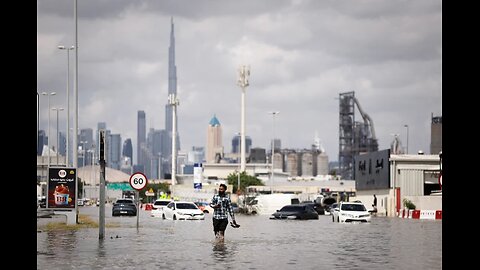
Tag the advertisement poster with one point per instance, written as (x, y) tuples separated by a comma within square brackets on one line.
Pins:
[(61, 188), (197, 175)]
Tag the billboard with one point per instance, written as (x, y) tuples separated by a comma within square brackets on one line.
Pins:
[(372, 170), (197, 175), (61, 188)]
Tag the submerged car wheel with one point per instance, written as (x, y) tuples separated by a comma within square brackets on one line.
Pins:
[(174, 217)]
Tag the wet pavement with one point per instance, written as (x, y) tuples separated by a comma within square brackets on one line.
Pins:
[(260, 243)]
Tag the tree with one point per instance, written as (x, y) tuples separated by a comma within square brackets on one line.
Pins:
[(245, 181)]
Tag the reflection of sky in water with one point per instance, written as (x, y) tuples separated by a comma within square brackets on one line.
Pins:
[(259, 244)]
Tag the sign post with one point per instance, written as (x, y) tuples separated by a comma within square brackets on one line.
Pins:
[(102, 161), (138, 181)]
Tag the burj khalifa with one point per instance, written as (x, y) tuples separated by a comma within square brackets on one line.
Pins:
[(172, 89)]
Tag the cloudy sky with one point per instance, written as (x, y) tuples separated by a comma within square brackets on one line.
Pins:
[(302, 54)]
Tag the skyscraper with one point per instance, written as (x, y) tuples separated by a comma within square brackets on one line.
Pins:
[(114, 151), (436, 135), (172, 78), (127, 150), (172, 89), (236, 144), (214, 141), (141, 136)]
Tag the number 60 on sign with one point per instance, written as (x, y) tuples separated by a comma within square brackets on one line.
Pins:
[(138, 181)]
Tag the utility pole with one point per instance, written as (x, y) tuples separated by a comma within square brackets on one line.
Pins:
[(101, 214), (174, 102), (244, 73)]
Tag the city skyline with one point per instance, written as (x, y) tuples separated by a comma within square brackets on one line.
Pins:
[(302, 55)]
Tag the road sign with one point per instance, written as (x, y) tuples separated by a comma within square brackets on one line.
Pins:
[(138, 181)]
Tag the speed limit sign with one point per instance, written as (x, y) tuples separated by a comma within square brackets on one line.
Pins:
[(138, 181)]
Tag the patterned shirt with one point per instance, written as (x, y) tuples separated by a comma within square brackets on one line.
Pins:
[(225, 206)]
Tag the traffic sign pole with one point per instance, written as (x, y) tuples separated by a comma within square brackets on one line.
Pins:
[(138, 209), (138, 181)]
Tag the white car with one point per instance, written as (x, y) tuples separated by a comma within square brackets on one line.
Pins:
[(205, 207), (182, 210), (157, 207), (351, 212)]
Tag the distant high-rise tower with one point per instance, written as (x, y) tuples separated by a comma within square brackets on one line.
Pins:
[(127, 150), (114, 151), (214, 141), (85, 143), (236, 144), (436, 135), (141, 136), (172, 89)]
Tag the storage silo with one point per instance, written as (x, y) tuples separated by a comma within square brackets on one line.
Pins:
[(292, 164), (278, 161), (322, 164), (307, 164)]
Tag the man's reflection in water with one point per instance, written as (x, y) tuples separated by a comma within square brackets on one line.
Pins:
[(223, 250)]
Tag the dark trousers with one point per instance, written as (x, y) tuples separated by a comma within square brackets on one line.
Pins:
[(220, 225)]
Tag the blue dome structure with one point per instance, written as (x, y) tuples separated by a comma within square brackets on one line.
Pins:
[(214, 121)]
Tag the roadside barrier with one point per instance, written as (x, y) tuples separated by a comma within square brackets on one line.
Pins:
[(420, 214), (148, 206)]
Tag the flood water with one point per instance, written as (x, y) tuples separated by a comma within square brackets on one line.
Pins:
[(260, 243)]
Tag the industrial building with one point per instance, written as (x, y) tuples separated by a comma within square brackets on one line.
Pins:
[(355, 137)]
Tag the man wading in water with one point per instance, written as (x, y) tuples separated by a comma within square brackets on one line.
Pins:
[(221, 204)]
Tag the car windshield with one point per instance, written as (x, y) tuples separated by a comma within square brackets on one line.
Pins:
[(186, 206), (292, 208), (353, 207), (124, 201), (161, 203)]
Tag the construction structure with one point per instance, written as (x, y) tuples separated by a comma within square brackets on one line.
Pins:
[(355, 137)]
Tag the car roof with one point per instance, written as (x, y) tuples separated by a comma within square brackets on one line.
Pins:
[(183, 202), (351, 202), (124, 199)]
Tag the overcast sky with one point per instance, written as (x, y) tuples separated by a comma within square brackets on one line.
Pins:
[(302, 55)]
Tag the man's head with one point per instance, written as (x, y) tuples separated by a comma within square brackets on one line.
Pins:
[(222, 189)]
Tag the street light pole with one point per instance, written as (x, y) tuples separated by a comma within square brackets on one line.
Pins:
[(273, 149), (38, 117), (75, 96), (48, 95), (174, 102), (407, 138), (58, 137), (67, 155), (244, 73)]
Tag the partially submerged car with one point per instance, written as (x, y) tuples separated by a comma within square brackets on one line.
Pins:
[(157, 207), (124, 207), (296, 211), (182, 210), (351, 212)]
